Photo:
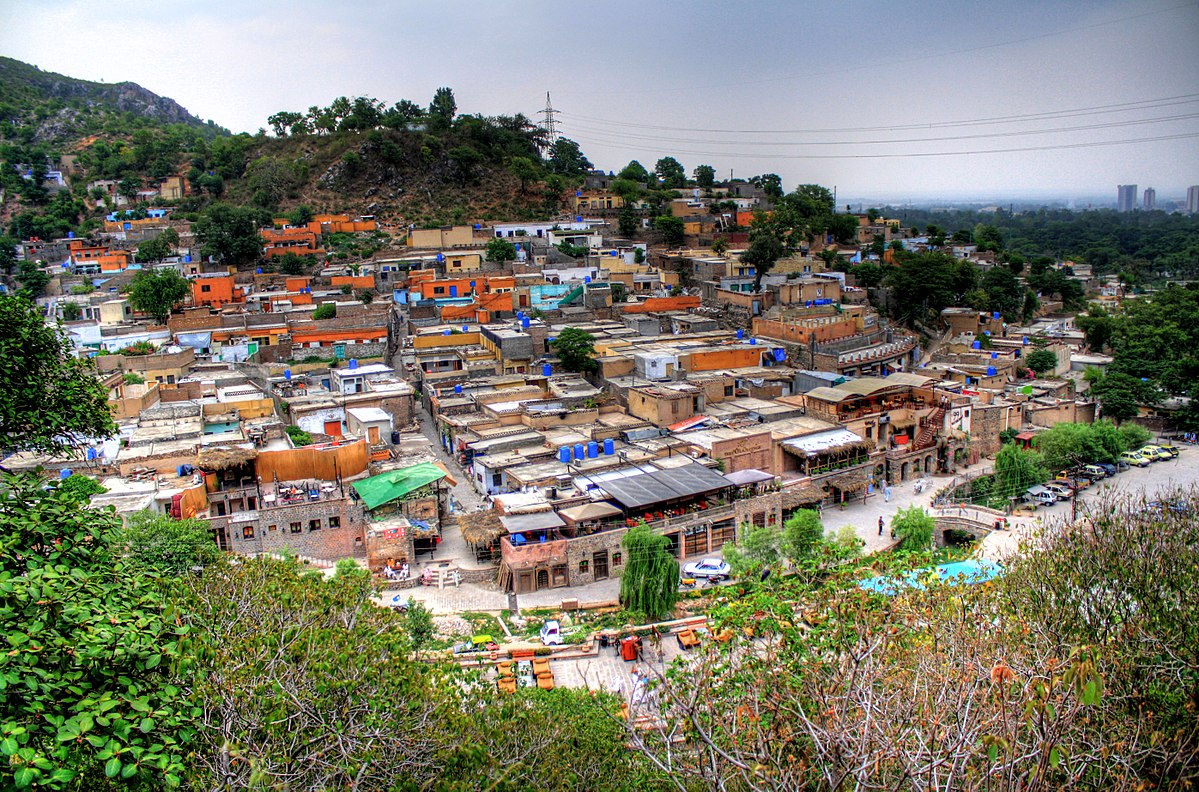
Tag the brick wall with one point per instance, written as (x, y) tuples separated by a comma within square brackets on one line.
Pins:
[(328, 543)]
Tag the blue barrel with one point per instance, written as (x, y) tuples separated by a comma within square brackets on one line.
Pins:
[(753, 341), (592, 449), (547, 370), (465, 329), (564, 454), (447, 332), (457, 389), (1025, 340), (586, 279), (991, 371), (977, 345), (609, 447), (740, 334), (353, 363), (994, 355), (287, 374), (472, 285), (995, 315), (65, 473), (580, 452), (524, 322)]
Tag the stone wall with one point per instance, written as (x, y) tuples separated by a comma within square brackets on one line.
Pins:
[(329, 543)]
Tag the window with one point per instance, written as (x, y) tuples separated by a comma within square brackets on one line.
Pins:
[(247, 532), (617, 558), (728, 390), (334, 522), (314, 525), (170, 379), (296, 528), (869, 432), (272, 528), (584, 565), (205, 288)]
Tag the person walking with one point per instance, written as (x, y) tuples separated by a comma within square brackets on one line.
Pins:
[(880, 526), (886, 493)]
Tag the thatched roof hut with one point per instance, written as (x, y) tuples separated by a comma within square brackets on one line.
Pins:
[(219, 458), (481, 528)]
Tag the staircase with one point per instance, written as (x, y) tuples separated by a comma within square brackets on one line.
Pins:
[(928, 428), (571, 296)]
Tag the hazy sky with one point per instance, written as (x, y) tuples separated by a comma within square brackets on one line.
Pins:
[(814, 91)]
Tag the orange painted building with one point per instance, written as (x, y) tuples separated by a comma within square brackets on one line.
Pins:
[(280, 241), (115, 261), (216, 290), (294, 284), (82, 251), (425, 288), (655, 304), (717, 358), (354, 281), (484, 309), (325, 337)]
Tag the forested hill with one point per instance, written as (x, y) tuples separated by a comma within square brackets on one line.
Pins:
[(48, 107)]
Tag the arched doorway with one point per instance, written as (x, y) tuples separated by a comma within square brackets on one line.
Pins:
[(543, 579), (903, 472)]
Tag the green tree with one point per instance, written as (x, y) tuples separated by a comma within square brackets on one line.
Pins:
[(671, 228), (92, 650), (325, 311), (51, 401), (158, 292), (769, 183), (650, 583), (159, 247), (914, 528), (300, 216), (419, 624), (628, 222), (71, 311), (705, 175), (576, 349), (1098, 324), (230, 234), (1041, 361), (634, 172), (757, 548), (1004, 292), (868, 275), (566, 159), (628, 190), (1120, 395), (765, 249), (803, 532), (443, 108), (719, 246), (80, 488), (295, 264), (8, 254), (525, 169), (1015, 471), (283, 122), (671, 173), (298, 436), (151, 541), (500, 250), (33, 278)]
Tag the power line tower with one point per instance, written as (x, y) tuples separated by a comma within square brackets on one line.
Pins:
[(550, 123)]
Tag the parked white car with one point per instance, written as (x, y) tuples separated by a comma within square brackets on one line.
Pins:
[(708, 568)]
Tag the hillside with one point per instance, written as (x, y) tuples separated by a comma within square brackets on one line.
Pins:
[(404, 163), (53, 108)]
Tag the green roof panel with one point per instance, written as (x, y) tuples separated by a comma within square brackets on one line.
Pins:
[(395, 484)]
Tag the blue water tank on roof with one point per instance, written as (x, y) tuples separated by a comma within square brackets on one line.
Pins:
[(977, 345), (564, 455), (740, 334), (65, 473), (446, 332), (287, 374), (353, 363), (609, 447), (524, 322), (580, 451), (457, 389), (586, 279), (990, 371), (994, 355), (753, 341), (465, 329), (592, 449)]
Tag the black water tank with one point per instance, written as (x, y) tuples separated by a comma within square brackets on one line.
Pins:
[(395, 438)]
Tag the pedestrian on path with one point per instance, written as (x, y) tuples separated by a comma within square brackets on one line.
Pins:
[(887, 493), (880, 526)]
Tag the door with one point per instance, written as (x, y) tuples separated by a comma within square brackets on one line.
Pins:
[(333, 428), (599, 563), (372, 435), (543, 579)]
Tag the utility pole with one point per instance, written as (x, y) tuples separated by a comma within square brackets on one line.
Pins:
[(550, 123)]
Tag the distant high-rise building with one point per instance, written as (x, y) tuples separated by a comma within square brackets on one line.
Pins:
[(1193, 199), (1126, 197), (1149, 199)]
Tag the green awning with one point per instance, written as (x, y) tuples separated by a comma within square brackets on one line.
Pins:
[(395, 484)]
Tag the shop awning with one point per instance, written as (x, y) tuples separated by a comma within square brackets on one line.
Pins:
[(751, 476), (813, 444), (395, 484), (647, 489), (540, 521), (590, 511)]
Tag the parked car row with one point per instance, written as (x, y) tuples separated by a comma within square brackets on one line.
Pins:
[(1069, 482)]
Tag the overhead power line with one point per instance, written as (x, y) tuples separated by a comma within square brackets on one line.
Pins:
[(634, 139), (907, 154), (1143, 104)]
